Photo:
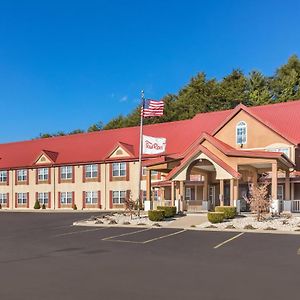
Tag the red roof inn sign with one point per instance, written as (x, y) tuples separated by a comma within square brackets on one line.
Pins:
[(153, 145)]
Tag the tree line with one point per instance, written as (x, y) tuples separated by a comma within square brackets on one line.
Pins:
[(204, 94)]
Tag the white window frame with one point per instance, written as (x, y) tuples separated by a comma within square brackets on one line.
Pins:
[(3, 176), (22, 175), (153, 172), (43, 174), (212, 193), (280, 192), (22, 198), (285, 150), (43, 198), (3, 198), (91, 171), (66, 197), (91, 197), (66, 172), (241, 133), (119, 169), (118, 197)]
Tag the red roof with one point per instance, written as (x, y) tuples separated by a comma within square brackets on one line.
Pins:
[(96, 146)]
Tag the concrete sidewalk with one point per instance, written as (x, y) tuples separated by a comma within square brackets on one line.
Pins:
[(188, 221)]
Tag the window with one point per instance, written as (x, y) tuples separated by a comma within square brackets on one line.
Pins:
[(188, 193), (91, 197), (66, 172), (241, 133), (91, 171), (119, 197), (286, 151), (156, 195), (22, 198), (43, 174), (43, 198), (144, 172), (212, 194), (3, 176), (144, 196), (119, 169), (280, 192), (66, 198), (3, 198), (22, 175)]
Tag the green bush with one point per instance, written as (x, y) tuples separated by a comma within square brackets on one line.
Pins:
[(37, 204), (156, 215), (229, 211), (75, 207), (215, 217), (43, 206), (170, 211)]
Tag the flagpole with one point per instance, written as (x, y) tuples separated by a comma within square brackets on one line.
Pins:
[(140, 151)]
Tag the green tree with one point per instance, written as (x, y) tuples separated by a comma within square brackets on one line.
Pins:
[(96, 127), (76, 131)]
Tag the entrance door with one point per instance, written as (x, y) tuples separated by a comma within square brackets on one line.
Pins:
[(212, 195)]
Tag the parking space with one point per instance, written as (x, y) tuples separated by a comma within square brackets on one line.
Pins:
[(45, 257)]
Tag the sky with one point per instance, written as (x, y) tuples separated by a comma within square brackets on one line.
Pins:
[(65, 65)]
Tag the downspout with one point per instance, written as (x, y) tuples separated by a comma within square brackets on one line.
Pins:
[(104, 185), (12, 189), (54, 190)]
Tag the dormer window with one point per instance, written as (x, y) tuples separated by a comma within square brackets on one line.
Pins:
[(241, 133)]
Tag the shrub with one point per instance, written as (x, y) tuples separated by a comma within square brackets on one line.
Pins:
[(0, 206), (156, 215), (215, 217), (37, 204), (43, 206), (75, 207), (170, 211), (229, 211)]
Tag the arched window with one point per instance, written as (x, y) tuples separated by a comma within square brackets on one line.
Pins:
[(241, 133)]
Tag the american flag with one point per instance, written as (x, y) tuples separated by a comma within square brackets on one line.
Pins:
[(153, 108)]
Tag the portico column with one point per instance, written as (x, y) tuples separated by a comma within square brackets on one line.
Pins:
[(274, 181), (172, 192), (221, 192), (287, 186), (231, 191), (292, 191), (236, 190), (162, 192), (148, 185), (205, 188), (182, 194)]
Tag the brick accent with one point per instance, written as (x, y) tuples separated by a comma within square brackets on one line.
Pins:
[(27, 197), (73, 199), (7, 200), (83, 173), (27, 180), (16, 200), (16, 177), (73, 174), (110, 199), (37, 176), (83, 199), (99, 199), (110, 172), (59, 174), (49, 200), (49, 175), (127, 171), (36, 196), (99, 172), (58, 201), (7, 176)]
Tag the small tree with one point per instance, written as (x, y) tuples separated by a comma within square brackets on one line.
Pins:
[(259, 200), (37, 204), (129, 205)]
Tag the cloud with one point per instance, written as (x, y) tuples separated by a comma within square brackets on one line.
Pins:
[(124, 99)]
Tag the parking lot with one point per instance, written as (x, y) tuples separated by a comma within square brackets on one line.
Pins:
[(42, 256)]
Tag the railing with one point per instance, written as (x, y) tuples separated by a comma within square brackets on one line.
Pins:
[(161, 203), (295, 205), (193, 205)]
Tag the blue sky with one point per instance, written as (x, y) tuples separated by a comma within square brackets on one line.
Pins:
[(67, 64)]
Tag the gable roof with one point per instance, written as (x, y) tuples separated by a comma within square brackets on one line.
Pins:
[(129, 149), (94, 147)]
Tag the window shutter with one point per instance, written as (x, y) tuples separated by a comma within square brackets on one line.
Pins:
[(73, 174), (49, 175), (83, 199), (110, 199), (159, 176), (99, 172), (99, 199), (110, 172), (58, 202), (27, 199), (127, 195), (127, 171), (27, 179), (37, 176), (49, 199), (7, 180), (59, 175), (73, 199), (36, 196), (7, 200), (83, 173), (16, 177), (16, 200)]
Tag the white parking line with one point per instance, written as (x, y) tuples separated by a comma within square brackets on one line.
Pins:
[(124, 234), (81, 231), (229, 240), (164, 236)]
